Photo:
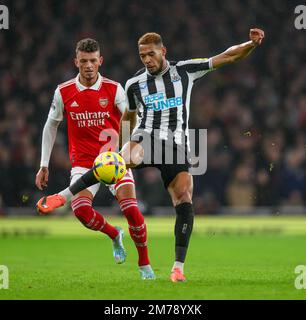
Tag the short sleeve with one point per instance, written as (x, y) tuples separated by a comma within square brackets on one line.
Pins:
[(130, 97), (57, 106), (120, 100), (196, 68)]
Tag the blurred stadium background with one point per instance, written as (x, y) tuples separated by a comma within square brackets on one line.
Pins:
[(254, 110)]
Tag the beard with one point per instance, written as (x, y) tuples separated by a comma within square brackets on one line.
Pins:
[(158, 70)]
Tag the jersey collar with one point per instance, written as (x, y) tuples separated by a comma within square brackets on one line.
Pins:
[(96, 86), (161, 73)]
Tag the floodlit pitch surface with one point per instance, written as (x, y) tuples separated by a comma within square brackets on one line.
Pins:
[(229, 258)]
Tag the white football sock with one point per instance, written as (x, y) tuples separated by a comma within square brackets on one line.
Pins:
[(66, 194), (146, 267), (178, 264)]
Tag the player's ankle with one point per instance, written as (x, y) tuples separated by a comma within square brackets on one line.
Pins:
[(178, 265), (66, 194)]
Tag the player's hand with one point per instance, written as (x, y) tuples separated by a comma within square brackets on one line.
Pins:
[(256, 36), (42, 177)]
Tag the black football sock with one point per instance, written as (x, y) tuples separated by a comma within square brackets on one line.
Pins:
[(87, 180), (183, 229)]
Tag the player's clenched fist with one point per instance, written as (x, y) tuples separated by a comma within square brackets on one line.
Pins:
[(257, 35)]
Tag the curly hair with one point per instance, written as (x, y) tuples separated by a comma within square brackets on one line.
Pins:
[(87, 45)]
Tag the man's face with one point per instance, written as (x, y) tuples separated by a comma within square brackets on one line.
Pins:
[(153, 57), (88, 64)]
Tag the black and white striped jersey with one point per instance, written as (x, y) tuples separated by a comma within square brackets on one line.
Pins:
[(162, 101)]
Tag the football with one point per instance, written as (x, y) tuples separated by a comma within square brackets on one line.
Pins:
[(109, 167)]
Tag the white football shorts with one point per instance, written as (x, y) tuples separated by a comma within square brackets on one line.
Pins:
[(77, 172)]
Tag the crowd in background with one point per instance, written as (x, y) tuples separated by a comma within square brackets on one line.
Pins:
[(254, 110)]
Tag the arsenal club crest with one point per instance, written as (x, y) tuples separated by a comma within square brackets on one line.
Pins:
[(103, 102)]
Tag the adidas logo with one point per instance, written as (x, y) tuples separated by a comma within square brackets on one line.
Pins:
[(74, 104)]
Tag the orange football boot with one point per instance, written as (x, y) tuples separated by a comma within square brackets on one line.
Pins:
[(177, 275), (48, 204)]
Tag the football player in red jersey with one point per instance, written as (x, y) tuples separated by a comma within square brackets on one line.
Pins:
[(93, 106)]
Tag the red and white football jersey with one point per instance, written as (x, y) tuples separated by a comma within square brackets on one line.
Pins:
[(92, 114)]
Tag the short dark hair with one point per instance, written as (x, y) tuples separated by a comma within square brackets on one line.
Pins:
[(151, 37), (87, 45)]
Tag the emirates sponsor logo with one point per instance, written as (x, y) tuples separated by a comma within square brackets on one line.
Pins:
[(89, 115), (89, 119)]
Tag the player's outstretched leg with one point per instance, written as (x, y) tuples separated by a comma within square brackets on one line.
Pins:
[(92, 219), (48, 204), (85, 181)]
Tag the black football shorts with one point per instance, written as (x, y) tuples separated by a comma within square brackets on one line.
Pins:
[(167, 156)]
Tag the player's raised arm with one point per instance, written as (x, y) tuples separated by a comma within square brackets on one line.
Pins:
[(48, 138), (239, 51)]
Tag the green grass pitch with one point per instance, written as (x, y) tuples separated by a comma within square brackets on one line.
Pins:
[(228, 258)]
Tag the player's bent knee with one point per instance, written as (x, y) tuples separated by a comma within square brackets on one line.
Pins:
[(126, 191), (181, 193), (182, 196), (131, 211)]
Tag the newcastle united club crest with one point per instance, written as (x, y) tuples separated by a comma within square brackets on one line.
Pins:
[(174, 77)]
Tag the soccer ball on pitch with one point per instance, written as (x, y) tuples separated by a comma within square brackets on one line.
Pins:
[(109, 167)]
